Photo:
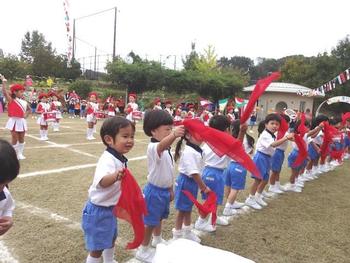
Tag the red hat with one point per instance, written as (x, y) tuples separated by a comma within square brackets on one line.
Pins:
[(93, 93), (168, 102), (190, 105), (42, 95), (16, 87), (229, 108), (51, 94), (156, 100), (132, 95)]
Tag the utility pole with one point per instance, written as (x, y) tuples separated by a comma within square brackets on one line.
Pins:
[(73, 52), (115, 31)]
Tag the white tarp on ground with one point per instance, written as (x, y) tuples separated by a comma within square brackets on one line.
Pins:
[(186, 251)]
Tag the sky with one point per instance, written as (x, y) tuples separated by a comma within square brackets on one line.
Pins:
[(163, 30)]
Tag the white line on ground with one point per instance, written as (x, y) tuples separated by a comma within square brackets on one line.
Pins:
[(69, 149), (70, 168), (5, 255)]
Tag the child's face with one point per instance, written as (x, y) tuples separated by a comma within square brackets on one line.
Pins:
[(124, 140), (44, 99), (93, 98), (19, 93), (192, 139), (162, 131), (131, 99), (272, 126)]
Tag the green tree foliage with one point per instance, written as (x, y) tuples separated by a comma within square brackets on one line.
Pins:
[(11, 67), (189, 61), (81, 87), (242, 63), (206, 62)]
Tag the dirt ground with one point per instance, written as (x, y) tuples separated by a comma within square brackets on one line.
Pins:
[(312, 226)]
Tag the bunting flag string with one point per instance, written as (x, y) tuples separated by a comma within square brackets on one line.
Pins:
[(69, 33), (328, 86)]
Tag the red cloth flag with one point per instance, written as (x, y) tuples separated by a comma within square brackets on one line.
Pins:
[(302, 150), (259, 89), (345, 117), (282, 129), (209, 206), (302, 129), (329, 132), (132, 207), (221, 143)]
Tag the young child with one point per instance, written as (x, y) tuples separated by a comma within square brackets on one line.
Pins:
[(230, 114), (18, 111), (168, 107), (158, 191), (98, 222), (92, 108), (56, 107), (132, 106), (189, 179), (157, 104), (43, 107), (191, 114), (295, 184), (235, 172), (265, 148), (276, 164), (9, 167), (213, 174)]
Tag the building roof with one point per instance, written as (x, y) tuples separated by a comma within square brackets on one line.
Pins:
[(281, 87)]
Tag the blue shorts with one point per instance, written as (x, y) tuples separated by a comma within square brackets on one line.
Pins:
[(347, 141), (337, 146), (291, 159), (181, 201), (99, 226), (235, 176), (313, 154), (214, 179), (157, 201), (277, 160), (263, 163)]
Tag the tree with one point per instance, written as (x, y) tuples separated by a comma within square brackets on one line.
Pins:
[(12, 67), (189, 61), (206, 62), (242, 63)]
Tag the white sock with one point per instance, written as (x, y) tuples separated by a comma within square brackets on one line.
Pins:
[(157, 238), (41, 133), (88, 133), (20, 148), (228, 205), (90, 259), (46, 133), (277, 183), (91, 132), (108, 255), (15, 146), (201, 220)]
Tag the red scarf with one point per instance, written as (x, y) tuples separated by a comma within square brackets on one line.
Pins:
[(282, 129), (302, 150), (345, 117), (209, 206), (259, 89), (132, 207), (302, 129), (221, 143), (329, 132)]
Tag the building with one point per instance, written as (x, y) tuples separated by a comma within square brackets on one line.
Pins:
[(280, 96)]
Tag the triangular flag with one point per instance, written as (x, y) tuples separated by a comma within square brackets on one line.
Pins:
[(222, 104), (239, 102)]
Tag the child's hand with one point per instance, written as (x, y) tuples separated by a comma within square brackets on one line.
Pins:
[(119, 175), (290, 136), (6, 223), (2, 77), (243, 127), (179, 131), (207, 189)]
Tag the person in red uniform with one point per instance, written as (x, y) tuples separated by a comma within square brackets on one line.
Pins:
[(42, 108), (18, 110)]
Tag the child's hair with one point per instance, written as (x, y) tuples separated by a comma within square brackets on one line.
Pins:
[(112, 125), (178, 148), (235, 131), (154, 119), (318, 120), (261, 127), (220, 122), (335, 120), (9, 164)]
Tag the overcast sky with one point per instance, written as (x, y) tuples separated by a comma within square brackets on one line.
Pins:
[(159, 28)]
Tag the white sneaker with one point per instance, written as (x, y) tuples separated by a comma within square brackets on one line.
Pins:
[(221, 221), (260, 201), (346, 156), (145, 255), (188, 234), (293, 188), (274, 189), (177, 234), (299, 183), (229, 211), (158, 240), (237, 205), (251, 202), (21, 156), (90, 138), (267, 194), (204, 225)]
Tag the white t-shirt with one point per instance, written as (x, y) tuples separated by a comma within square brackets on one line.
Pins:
[(264, 143), (160, 168), (191, 161), (212, 160), (107, 196), (7, 205)]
